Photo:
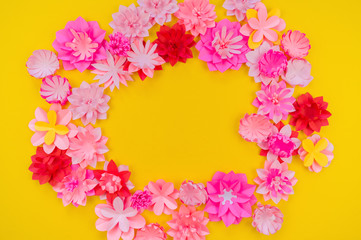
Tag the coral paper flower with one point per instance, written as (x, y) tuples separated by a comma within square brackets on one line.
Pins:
[(193, 194), (267, 219), (118, 219), (239, 8), (188, 224), (255, 128), (152, 231), (295, 44), (298, 73), (55, 89), (196, 16), (275, 181), (118, 44), (42, 63), (230, 198), (79, 44), (141, 200), (160, 11)]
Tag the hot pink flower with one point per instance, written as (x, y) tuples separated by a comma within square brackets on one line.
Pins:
[(193, 194), (298, 73), (267, 219), (55, 89), (273, 64), (152, 231), (42, 63), (118, 44), (141, 200), (295, 44), (160, 11), (255, 128), (239, 8)]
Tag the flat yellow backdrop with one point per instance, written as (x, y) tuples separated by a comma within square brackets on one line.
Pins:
[(183, 123)]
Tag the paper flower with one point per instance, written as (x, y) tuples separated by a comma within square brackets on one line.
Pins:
[(160, 11), (267, 219), (42, 63), (298, 73), (263, 26), (275, 181), (151, 231), (316, 152), (295, 44), (79, 44), (230, 198), (75, 187), (196, 16), (239, 8), (174, 44), (144, 59), (223, 47), (193, 194), (310, 114), (118, 44), (118, 219), (89, 103), (164, 197), (55, 89), (272, 64), (275, 101), (255, 128), (188, 224), (51, 167), (141, 200)]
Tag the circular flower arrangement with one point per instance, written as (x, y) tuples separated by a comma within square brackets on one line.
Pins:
[(275, 59)]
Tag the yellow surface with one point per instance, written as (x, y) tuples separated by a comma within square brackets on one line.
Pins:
[(183, 124)]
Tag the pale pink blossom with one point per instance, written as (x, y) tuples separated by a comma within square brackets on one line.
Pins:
[(160, 11), (239, 8), (298, 72), (255, 128), (267, 219), (55, 89), (118, 44), (152, 231), (42, 63), (193, 194), (295, 44)]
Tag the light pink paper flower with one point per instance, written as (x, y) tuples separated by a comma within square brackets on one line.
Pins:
[(118, 44), (267, 219), (118, 219), (89, 103), (42, 63), (275, 181), (75, 187), (275, 101), (196, 16), (298, 73), (152, 231), (193, 194), (239, 8), (273, 64), (141, 200), (255, 128), (160, 11), (164, 197), (55, 89), (295, 44)]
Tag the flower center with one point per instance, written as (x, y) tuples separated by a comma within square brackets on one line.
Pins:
[(82, 45), (272, 64), (225, 45), (227, 196), (71, 183), (281, 145), (110, 183)]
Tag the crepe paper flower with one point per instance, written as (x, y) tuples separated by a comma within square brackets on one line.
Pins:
[(51, 167), (76, 186), (230, 198), (174, 44), (196, 16), (118, 44), (151, 231), (298, 73), (164, 197), (42, 63), (275, 101), (273, 64), (310, 114), (80, 44), (239, 8), (118, 219), (267, 219), (55, 89), (316, 152), (255, 128), (263, 26), (141, 200), (160, 11), (188, 224), (193, 194), (223, 47), (275, 181), (89, 103), (295, 44)]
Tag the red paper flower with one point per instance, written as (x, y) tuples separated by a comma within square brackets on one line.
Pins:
[(174, 44), (310, 114), (51, 167)]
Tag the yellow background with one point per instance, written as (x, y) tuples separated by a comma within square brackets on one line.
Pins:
[(183, 123)]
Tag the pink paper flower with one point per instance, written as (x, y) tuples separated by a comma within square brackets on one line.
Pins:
[(267, 219), (255, 128), (79, 44), (230, 198), (298, 73), (275, 101), (223, 47), (42, 63), (160, 11), (273, 64), (152, 231), (89, 103), (164, 197), (275, 181), (75, 187), (118, 219), (295, 44), (193, 194), (239, 8), (141, 200), (196, 16), (55, 89), (118, 44)]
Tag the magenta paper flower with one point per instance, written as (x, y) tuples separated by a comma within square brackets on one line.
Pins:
[(152, 231), (196, 16), (193, 194), (188, 224), (89, 103), (141, 200), (230, 198), (118, 44), (275, 101), (160, 11), (272, 64), (111, 72), (295, 44), (75, 187), (275, 181), (267, 219), (53, 128), (255, 128), (239, 8), (118, 219), (298, 73), (88, 147), (164, 197), (42, 63), (55, 89), (223, 47), (79, 44)]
